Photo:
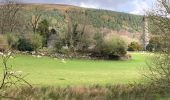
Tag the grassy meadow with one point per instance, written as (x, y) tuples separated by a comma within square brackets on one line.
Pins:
[(46, 71)]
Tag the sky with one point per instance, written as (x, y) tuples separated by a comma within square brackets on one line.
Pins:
[(128, 6)]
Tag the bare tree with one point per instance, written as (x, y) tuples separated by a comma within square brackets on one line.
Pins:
[(10, 15), (35, 18), (159, 66), (9, 22)]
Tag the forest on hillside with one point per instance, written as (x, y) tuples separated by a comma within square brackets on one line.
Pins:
[(97, 18), (101, 33)]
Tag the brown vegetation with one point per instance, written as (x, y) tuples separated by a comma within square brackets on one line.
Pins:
[(117, 92), (50, 6)]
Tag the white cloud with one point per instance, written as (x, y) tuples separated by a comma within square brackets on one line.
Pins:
[(140, 7), (129, 6), (82, 4)]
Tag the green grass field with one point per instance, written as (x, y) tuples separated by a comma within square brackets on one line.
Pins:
[(47, 71)]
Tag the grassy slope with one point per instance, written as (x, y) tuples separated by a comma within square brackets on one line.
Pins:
[(49, 71)]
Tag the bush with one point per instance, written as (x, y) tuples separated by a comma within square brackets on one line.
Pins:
[(58, 46), (37, 41), (3, 43), (30, 42), (154, 44), (114, 46), (134, 46), (12, 40), (110, 47), (25, 45), (43, 30), (61, 47), (150, 47), (98, 37)]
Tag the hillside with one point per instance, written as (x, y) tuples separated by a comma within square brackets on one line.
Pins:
[(102, 20), (50, 6)]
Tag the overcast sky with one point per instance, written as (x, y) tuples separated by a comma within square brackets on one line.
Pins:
[(129, 6)]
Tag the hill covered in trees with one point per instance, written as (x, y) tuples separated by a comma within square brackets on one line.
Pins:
[(104, 21), (69, 29)]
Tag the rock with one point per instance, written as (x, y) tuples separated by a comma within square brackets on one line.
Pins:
[(38, 56), (33, 52), (1, 53), (42, 54)]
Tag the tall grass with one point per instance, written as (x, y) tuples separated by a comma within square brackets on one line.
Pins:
[(116, 92)]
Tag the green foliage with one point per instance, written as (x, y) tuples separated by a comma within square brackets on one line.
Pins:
[(109, 47), (25, 45), (58, 46), (150, 47), (154, 44), (134, 46), (43, 30), (65, 50), (114, 46), (37, 41), (96, 18), (12, 40), (30, 42), (98, 37), (108, 19), (75, 38), (71, 25)]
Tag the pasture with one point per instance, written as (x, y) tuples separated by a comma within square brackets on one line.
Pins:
[(46, 71)]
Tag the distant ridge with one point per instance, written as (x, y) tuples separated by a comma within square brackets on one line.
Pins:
[(65, 7), (50, 6)]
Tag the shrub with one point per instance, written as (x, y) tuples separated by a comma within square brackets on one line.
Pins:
[(3, 43), (154, 44), (150, 47), (24, 45), (58, 46), (12, 40), (98, 37), (134, 46), (61, 47), (43, 30), (30, 42), (114, 46), (110, 46), (36, 41)]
